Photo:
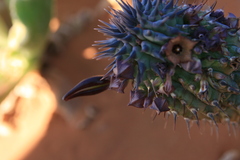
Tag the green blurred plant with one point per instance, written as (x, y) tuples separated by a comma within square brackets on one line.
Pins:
[(22, 45)]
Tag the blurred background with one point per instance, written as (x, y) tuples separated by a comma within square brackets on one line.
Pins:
[(35, 124)]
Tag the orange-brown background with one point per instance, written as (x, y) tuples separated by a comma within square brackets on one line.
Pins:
[(118, 131)]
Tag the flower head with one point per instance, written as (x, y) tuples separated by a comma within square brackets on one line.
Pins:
[(179, 50)]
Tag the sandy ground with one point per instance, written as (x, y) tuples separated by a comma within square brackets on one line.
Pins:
[(103, 127)]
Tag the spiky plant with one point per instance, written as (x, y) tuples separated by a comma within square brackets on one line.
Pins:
[(183, 59), (22, 44)]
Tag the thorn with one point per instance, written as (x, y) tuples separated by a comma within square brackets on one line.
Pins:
[(192, 87), (176, 3), (169, 5), (211, 116), (211, 127), (234, 128), (184, 2), (216, 104), (187, 120), (174, 119), (166, 116), (148, 6), (204, 125), (217, 132), (111, 64), (203, 86), (194, 112), (227, 120), (213, 5), (109, 72), (233, 90), (155, 115)]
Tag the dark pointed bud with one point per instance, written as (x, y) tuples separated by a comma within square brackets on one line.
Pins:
[(137, 98), (89, 86), (118, 84), (194, 66), (159, 105), (124, 70)]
